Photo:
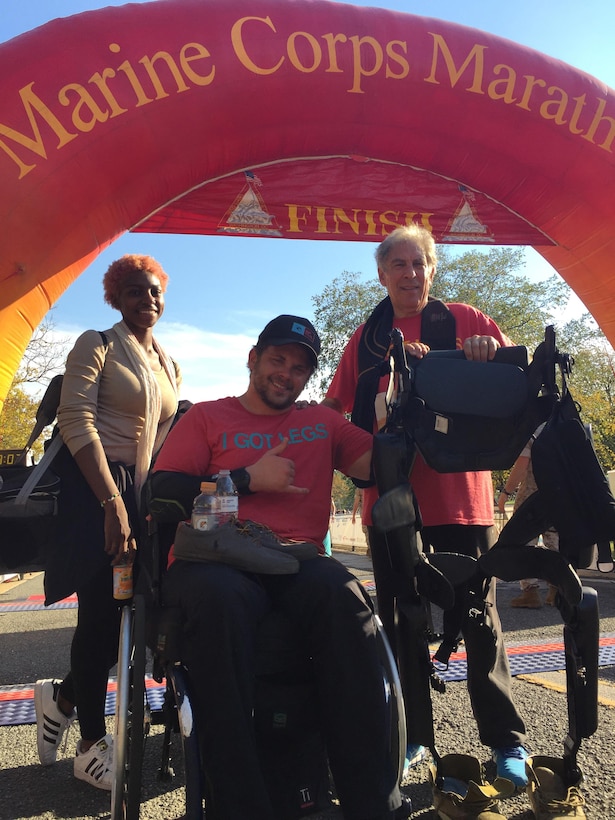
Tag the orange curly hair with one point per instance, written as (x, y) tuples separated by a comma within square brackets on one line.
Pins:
[(129, 263)]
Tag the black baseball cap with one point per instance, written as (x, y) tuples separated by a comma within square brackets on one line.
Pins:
[(286, 330)]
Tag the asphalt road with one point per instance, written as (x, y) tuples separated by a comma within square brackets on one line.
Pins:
[(36, 644)]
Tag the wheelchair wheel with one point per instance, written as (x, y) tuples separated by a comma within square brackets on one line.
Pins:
[(396, 712), (195, 790), (129, 713)]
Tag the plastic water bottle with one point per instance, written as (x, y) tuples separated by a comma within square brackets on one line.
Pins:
[(226, 494), (205, 508)]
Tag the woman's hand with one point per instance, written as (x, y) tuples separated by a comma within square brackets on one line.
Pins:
[(119, 539)]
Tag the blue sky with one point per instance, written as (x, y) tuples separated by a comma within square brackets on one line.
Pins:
[(223, 290)]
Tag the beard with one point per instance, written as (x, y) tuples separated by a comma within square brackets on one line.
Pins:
[(272, 396)]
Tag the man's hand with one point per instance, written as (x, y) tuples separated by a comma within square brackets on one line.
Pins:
[(274, 474), (480, 348), (416, 349)]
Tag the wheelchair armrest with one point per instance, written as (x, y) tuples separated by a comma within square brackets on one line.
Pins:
[(168, 496)]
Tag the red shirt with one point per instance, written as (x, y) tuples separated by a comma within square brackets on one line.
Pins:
[(222, 434), (444, 498)]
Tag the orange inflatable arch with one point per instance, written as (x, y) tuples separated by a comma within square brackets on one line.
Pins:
[(297, 119)]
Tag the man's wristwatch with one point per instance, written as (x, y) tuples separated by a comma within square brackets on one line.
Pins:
[(241, 480)]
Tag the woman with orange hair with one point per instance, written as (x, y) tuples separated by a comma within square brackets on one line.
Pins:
[(118, 401)]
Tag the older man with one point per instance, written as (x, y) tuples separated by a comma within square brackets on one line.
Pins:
[(456, 508)]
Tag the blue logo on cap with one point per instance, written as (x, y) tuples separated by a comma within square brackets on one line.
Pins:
[(301, 330)]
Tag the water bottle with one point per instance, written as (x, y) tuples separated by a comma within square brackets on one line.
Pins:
[(226, 494), (204, 511)]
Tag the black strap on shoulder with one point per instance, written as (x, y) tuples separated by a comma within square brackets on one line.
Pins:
[(438, 326), (438, 330)]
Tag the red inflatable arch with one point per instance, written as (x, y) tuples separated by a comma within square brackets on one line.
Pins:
[(291, 118)]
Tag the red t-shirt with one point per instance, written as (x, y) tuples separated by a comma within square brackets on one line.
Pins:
[(221, 434), (444, 498)]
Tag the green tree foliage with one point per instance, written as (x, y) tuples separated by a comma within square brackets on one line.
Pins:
[(44, 358), (17, 419), (592, 382), (494, 283), (342, 491), (340, 309)]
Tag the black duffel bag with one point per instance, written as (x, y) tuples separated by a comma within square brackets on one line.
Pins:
[(28, 508)]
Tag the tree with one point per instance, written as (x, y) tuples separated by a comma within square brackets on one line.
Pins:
[(44, 358), (592, 382), (342, 491), (493, 282), (17, 419), (340, 309)]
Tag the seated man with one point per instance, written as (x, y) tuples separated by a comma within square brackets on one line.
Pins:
[(282, 460)]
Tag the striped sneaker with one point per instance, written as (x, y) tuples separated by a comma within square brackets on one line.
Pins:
[(51, 722), (96, 765)]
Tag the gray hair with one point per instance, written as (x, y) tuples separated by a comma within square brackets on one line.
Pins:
[(415, 233)]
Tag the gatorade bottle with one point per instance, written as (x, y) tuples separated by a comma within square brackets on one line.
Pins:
[(204, 511)]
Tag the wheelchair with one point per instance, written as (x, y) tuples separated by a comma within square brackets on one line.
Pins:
[(284, 689)]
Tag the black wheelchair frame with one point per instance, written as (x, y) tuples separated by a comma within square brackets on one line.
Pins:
[(133, 716)]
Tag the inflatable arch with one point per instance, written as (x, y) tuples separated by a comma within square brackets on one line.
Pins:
[(291, 118)]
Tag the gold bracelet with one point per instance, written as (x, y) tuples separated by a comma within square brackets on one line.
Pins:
[(111, 498)]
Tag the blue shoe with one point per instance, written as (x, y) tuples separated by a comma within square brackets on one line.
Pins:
[(510, 763), (414, 754)]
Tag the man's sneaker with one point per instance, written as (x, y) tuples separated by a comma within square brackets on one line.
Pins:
[(96, 765), (549, 796), (414, 754), (510, 763), (51, 722)]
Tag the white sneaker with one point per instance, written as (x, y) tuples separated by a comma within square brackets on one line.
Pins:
[(96, 765), (51, 722)]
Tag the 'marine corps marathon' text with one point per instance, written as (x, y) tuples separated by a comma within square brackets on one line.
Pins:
[(50, 122)]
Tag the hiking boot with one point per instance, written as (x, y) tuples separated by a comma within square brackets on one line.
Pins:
[(414, 754), (460, 792), (96, 765), (510, 764), (549, 796), (51, 722), (551, 595), (529, 599)]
